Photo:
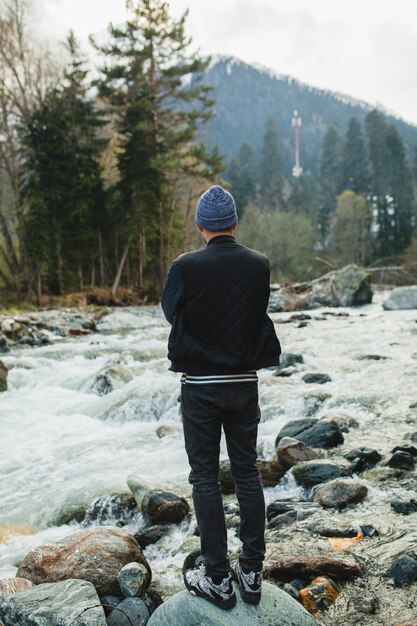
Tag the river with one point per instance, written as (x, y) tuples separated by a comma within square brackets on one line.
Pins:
[(62, 444)]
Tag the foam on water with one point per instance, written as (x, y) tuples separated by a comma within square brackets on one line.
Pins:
[(64, 445)]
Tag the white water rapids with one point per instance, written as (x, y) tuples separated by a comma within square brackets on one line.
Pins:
[(62, 445)]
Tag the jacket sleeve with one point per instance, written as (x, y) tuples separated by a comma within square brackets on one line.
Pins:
[(172, 292)]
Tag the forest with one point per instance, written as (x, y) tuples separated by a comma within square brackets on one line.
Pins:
[(102, 163)]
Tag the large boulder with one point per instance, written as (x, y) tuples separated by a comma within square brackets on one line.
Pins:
[(401, 298), (67, 603), (271, 473), (294, 427), (349, 286), (96, 555), (3, 376), (275, 608)]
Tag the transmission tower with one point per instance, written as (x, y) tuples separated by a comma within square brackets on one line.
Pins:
[(297, 170)]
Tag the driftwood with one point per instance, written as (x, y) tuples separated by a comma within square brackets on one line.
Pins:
[(305, 567)]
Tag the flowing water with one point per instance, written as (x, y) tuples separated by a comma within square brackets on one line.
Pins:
[(63, 445)]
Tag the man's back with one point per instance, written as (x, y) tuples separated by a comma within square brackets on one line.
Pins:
[(221, 324)]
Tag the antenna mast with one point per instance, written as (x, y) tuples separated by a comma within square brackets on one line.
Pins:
[(297, 170)]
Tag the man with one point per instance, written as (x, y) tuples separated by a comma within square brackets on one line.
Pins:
[(216, 300)]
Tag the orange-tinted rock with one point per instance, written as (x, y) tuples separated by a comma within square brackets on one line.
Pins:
[(319, 595), (96, 555), (271, 473), (15, 529)]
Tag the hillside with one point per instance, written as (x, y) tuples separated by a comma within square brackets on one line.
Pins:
[(247, 95)]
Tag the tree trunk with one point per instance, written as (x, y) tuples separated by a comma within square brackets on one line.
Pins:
[(93, 274), (38, 285), (120, 268), (80, 276), (101, 257)]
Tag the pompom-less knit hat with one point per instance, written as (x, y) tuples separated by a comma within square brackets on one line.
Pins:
[(216, 209)]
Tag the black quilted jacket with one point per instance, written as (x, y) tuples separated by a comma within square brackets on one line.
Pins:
[(216, 300)]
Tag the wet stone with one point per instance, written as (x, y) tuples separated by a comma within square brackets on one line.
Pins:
[(285, 372), (340, 493), (294, 428), (316, 378), (133, 579), (344, 421), (109, 602), (322, 435), (413, 437), (402, 460), (403, 570), (152, 598), (310, 473), (404, 508), (291, 451), (292, 591), (151, 534), (290, 359), (129, 611), (363, 458), (406, 448), (164, 507), (117, 509)]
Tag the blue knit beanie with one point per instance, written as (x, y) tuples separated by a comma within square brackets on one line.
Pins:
[(216, 209)]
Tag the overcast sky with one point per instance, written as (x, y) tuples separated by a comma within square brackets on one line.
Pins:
[(362, 48)]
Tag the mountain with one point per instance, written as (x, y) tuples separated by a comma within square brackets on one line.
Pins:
[(247, 95)]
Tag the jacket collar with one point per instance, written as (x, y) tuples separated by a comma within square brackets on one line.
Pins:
[(221, 239)]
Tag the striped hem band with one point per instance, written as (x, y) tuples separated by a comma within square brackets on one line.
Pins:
[(250, 376)]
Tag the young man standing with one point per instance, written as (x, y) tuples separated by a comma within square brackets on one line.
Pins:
[(216, 300)]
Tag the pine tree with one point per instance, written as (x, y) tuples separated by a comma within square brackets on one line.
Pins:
[(156, 113), (329, 179), (354, 160), (392, 194), (271, 183), (61, 179), (303, 198), (242, 176)]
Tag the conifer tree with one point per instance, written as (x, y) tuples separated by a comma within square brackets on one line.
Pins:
[(156, 111), (354, 159), (329, 178), (242, 175), (391, 186), (271, 182), (303, 199), (61, 179)]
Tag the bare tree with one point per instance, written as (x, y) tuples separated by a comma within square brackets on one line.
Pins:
[(26, 73)]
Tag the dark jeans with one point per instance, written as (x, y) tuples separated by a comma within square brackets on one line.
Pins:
[(205, 408)]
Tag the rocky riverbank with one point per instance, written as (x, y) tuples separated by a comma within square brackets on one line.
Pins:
[(337, 453)]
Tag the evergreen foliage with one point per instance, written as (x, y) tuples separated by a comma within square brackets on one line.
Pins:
[(242, 175), (354, 160), (330, 178)]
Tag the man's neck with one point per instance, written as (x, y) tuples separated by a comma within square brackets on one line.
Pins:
[(208, 235)]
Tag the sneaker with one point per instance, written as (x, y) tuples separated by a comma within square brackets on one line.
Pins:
[(249, 584), (201, 585)]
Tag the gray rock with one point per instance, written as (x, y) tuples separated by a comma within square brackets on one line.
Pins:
[(316, 379), (290, 359), (402, 460), (112, 377), (401, 298), (322, 435), (403, 570), (151, 534), (294, 427), (134, 608), (133, 579), (71, 602), (276, 608), (310, 473), (340, 492), (363, 458), (348, 286)]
